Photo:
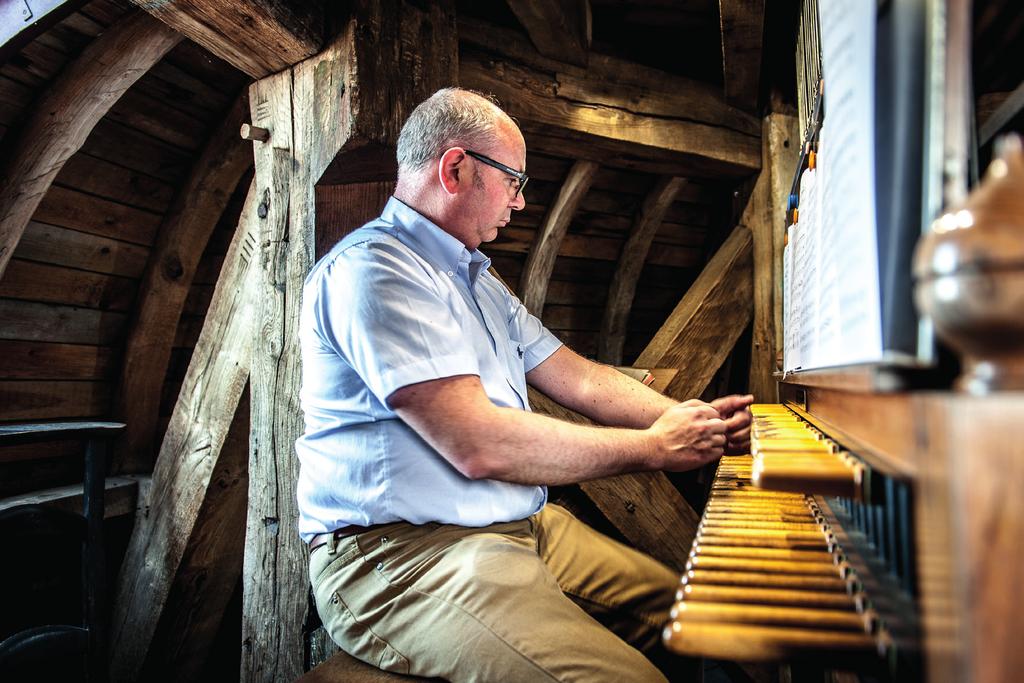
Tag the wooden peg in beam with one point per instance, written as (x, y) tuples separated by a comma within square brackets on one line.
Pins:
[(251, 132)]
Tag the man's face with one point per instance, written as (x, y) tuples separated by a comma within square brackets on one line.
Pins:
[(495, 194)]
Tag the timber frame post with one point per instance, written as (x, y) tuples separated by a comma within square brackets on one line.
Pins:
[(326, 109), (765, 215)]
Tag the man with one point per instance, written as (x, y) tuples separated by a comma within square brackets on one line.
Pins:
[(423, 471)]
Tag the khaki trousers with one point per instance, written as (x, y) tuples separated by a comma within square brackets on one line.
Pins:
[(520, 601)]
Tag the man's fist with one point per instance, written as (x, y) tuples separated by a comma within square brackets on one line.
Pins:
[(735, 412), (689, 435)]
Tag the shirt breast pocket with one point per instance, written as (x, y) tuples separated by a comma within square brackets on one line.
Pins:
[(516, 355)]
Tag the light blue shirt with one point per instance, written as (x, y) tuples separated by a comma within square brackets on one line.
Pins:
[(397, 302)]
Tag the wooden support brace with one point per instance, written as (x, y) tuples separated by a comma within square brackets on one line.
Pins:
[(210, 567), (627, 273), (541, 259), (189, 454), (701, 331), (257, 37), (560, 29)]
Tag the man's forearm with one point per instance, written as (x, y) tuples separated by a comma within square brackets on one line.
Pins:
[(610, 397), (529, 448), (483, 440), (598, 391)]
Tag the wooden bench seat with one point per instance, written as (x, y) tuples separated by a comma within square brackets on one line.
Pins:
[(344, 667)]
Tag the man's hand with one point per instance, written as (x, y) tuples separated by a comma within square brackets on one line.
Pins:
[(689, 435), (735, 411)]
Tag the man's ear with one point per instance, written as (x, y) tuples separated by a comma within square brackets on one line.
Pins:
[(451, 170)]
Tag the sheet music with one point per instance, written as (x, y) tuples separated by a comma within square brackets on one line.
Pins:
[(834, 304), (848, 58)]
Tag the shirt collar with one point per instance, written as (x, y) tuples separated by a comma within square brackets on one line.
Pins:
[(432, 242)]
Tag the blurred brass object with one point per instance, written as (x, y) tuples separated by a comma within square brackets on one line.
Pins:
[(969, 273)]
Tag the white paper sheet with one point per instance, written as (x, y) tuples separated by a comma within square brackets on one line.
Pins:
[(848, 288)]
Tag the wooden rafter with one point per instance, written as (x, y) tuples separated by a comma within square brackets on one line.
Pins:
[(199, 425), (623, 287), (560, 29), (541, 259), (701, 331), (588, 118), (627, 115), (183, 235), (65, 115), (742, 24), (257, 37)]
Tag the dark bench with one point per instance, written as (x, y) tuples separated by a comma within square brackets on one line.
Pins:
[(67, 651)]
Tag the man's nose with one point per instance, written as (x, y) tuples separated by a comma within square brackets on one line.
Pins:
[(518, 202)]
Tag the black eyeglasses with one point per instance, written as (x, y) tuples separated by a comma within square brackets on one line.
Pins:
[(518, 175)]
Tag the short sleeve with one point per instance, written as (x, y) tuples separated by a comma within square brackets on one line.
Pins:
[(378, 306)]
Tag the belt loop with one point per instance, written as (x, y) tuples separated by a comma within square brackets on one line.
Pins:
[(332, 543)]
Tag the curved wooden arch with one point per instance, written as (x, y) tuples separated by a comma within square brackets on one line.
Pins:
[(634, 253), (183, 236), (541, 259), (65, 115)]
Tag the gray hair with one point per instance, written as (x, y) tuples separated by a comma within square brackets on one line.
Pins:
[(451, 117)]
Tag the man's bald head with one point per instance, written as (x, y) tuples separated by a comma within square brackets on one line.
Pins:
[(451, 117)]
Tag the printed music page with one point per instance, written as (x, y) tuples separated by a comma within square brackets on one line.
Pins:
[(848, 256)]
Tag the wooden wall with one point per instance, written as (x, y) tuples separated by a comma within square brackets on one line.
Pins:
[(67, 295)]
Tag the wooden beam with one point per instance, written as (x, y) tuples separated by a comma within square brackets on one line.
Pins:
[(182, 477), (613, 81), (351, 97), (210, 567), (560, 29), (765, 215), (742, 24), (182, 238), (701, 331), (623, 287), (65, 114), (391, 46), (644, 109), (587, 117), (541, 259), (993, 122), (257, 37), (274, 605)]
